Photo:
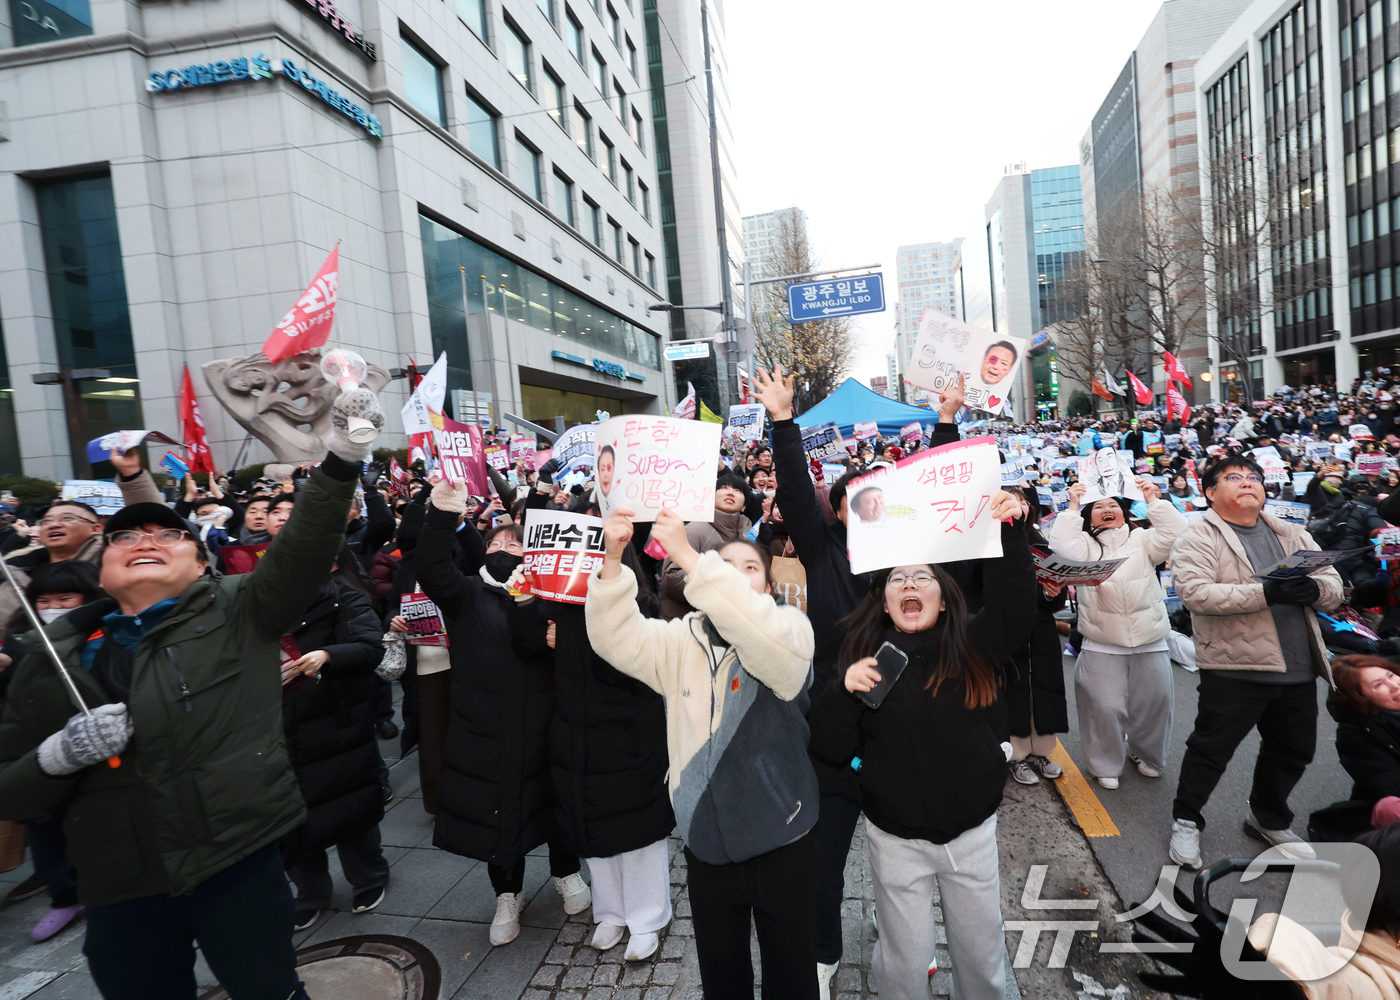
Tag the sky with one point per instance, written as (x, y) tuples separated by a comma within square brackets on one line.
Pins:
[(891, 122)]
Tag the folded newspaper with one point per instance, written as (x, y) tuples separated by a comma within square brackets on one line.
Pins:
[(1306, 562)]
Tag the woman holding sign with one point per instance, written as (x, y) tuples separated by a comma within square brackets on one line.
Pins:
[(1123, 679), (920, 705), (735, 675)]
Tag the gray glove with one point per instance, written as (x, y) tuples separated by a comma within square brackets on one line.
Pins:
[(359, 403), (86, 740)]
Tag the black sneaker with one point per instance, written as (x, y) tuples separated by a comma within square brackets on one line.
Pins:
[(304, 918), (367, 899), (27, 889), (386, 729), (388, 792)]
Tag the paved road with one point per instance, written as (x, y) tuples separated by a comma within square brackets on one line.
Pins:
[(1141, 807)]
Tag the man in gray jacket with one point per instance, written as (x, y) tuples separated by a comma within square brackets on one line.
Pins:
[(1259, 648)]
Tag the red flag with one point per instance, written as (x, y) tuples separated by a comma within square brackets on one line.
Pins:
[(308, 323), (1176, 404), (1175, 373), (196, 443), (1100, 391), (1143, 394)]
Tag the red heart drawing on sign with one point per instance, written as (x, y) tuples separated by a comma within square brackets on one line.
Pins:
[(995, 401)]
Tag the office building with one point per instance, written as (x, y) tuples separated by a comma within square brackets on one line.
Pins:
[(1304, 123), (675, 54), (1009, 275), (169, 199), (1139, 172), (924, 276)]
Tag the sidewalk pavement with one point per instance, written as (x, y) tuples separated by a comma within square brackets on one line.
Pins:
[(446, 903)]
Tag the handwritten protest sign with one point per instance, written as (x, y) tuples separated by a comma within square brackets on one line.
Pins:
[(576, 446), (745, 423), (947, 347), (867, 430), (1054, 570), (425, 624), (1297, 513), (648, 463), (101, 495), (562, 551), (461, 453), (932, 507), (1107, 473), (1305, 562), (823, 442)]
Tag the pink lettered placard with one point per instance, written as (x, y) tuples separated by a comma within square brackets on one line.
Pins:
[(648, 464)]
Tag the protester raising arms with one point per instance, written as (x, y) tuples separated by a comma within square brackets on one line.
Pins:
[(734, 674), (933, 767)]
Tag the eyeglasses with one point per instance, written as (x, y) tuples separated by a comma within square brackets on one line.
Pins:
[(45, 522), (919, 580), (165, 537), (1236, 478)]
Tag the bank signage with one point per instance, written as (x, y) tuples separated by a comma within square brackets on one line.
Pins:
[(259, 67), (336, 20)]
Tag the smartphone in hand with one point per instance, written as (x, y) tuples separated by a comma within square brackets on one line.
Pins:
[(890, 661)]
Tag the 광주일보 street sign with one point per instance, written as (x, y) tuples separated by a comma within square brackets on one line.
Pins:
[(811, 300)]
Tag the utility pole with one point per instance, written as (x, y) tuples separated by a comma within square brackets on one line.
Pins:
[(727, 323)]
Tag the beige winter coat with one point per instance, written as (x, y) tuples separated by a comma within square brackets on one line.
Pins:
[(1129, 608), (704, 536), (1372, 973), (1232, 623)]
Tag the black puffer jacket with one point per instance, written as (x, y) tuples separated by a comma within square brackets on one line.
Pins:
[(931, 768), (607, 743), (1368, 746), (496, 798), (328, 724)]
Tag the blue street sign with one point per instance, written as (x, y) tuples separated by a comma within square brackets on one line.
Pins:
[(836, 297)]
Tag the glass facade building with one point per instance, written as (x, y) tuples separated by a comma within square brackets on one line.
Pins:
[(519, 294), (1116, 154), (87, 291), (1057, 213)]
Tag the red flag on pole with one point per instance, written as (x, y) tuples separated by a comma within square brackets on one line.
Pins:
[(1143, 394), (308, 323), (192, 425), (1176, 404), (1098, 389), (1175, 373)]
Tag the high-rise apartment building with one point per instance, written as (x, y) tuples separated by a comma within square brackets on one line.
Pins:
[(1139, 168), (924, 274), (1304, 123), (168, 205), (675, 55), (762, 248)]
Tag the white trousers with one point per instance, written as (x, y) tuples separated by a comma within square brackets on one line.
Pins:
[(1123, 697), (633, 890), (967, 877)]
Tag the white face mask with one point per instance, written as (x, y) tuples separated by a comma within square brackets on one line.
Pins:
[(49, 615)]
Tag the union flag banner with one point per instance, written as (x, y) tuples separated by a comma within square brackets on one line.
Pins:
[(308, 323)]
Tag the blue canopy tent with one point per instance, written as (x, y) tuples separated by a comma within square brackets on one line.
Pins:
[(852, 403)]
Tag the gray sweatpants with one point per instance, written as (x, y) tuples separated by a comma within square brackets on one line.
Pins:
[(1123, 697), (969, 884)]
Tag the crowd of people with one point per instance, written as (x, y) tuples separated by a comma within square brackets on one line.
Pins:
[(193, 794)]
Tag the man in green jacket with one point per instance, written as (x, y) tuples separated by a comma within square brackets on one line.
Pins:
[(176, 842)]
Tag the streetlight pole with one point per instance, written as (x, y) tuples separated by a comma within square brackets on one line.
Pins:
[(727, 325)]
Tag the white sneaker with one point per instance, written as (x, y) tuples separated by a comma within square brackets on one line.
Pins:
[(640, 947), (574, 889), (1289, 844), (1186, 844), (824, 974), (1145, 769), (505, 928), (607, 936), (1023, 772), (1109, 783)]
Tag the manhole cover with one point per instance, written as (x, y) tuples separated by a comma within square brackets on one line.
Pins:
[(366, 967)]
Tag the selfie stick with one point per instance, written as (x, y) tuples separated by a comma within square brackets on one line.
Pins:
[(53, 653)]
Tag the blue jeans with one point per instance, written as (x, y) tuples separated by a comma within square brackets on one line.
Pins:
[(143, 949), (49, 848)]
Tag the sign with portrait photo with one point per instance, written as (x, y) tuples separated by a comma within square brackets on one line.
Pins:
[(988, 361), (1107, 473), (648, 463)]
